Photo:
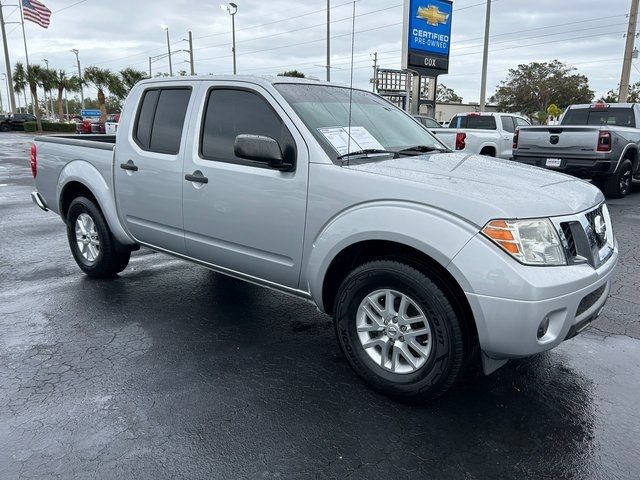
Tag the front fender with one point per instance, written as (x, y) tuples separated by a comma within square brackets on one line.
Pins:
[(436, 233), (85, 173)]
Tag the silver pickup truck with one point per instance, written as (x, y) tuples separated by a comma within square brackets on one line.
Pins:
[(428, 260), (598, 142)]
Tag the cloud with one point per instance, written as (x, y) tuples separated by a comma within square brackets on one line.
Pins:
[(118, 34)]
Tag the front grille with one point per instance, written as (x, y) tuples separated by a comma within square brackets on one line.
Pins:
[(588, 301), (570, 245), (591, 217)]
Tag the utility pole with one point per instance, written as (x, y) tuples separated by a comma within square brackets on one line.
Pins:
[(628, 52), (166, 29), (328, 40), (485, 56), (12, 95), (375, 71), (193, 70), (79, 76), (150, 74)]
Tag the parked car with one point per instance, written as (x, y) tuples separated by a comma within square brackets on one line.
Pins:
[(485, 133), (428, 260), (15, 121), (427, 121), (598, 142)]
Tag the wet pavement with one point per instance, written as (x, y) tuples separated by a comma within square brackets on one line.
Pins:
[(172, 371)]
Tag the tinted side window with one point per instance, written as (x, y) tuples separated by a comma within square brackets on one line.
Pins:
[(507, 124), (230, 113), (169, 120), (144, 123)]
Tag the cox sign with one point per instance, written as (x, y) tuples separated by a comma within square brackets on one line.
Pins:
[(427, 36)]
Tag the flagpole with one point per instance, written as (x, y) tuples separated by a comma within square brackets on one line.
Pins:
[(26, 54), (12, 96)]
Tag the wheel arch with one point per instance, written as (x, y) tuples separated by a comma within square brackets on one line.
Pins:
[(78, 178), (365, 251)]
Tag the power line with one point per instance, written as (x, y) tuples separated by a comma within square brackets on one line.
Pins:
[(69, 6)]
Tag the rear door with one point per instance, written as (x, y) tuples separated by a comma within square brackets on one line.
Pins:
[(148, 170), (247, 218)]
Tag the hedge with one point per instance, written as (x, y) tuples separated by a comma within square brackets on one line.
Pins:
[(51, 127)]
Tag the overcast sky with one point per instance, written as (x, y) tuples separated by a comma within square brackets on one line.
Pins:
[(277, 35)]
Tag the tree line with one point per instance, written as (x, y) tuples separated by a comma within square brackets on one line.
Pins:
[(34, 77)]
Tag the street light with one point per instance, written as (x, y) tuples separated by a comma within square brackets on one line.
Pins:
[(46, 62), (79, 76), (166, 29), (232, 9)]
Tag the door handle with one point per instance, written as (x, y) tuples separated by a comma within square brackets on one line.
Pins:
[(196, 177), (129, 166)]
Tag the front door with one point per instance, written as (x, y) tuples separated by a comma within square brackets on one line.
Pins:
[(148, 172), (247, 218)]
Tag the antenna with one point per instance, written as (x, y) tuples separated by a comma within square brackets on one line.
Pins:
[(353, 38)]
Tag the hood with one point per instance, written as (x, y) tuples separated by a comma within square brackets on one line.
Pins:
[(480, 188)]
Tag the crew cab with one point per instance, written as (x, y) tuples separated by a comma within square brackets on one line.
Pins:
[(593, 141), (484, 133), (429, 261)]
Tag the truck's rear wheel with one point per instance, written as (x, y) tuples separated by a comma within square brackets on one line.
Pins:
[(91, 241), (619, 185), (399, 331)]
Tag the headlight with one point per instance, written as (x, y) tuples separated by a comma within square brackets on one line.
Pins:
[(532, 242)]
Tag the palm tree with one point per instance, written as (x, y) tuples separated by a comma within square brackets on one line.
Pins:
[(20, 81), (47, 82), (103, 80), (61, 82), (130, 77), (33, 77)]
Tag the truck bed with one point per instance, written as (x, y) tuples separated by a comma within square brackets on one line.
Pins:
[(64, 155)]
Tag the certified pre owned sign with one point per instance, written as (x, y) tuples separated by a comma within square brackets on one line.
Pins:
[(427, 36)]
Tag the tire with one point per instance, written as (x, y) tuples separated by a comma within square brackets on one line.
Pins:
[(441, 360), (100, 259), (619, 184), (5, 127)]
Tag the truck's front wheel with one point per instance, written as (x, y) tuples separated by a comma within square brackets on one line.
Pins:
[(91, 241), (399, 330)]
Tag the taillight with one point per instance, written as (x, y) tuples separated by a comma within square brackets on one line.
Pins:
[(34, 161), (515, 138), (604, 141), (460, 141)]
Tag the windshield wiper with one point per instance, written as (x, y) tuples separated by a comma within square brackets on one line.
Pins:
[(421, 149), (366, 151)]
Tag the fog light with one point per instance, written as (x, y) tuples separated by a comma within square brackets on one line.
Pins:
[(542, 329)]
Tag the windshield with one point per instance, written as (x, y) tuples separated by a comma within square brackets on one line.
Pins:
[(620, 116), (376, 125)]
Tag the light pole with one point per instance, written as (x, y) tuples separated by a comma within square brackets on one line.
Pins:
[(46, 62), (79, 76), (166, 29), (46, 104), (232, 9)]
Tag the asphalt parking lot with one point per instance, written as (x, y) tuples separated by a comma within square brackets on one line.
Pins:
[(172, 371)]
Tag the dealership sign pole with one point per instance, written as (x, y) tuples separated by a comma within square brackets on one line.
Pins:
[(426, 41)]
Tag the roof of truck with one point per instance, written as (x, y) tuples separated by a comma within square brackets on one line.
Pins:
[(604, 104), (260, 79)]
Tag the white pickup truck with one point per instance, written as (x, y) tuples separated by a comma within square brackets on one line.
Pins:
[(427, 259), (488, 134)]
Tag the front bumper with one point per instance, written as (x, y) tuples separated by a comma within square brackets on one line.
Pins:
[(511, 302)]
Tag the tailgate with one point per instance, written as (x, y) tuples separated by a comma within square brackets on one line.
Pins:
[(558, 141), (446, 136)]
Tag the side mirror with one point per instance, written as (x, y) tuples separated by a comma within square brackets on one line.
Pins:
[(260, 149)]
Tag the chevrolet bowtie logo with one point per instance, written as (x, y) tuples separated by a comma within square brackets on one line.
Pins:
[(432, 15)]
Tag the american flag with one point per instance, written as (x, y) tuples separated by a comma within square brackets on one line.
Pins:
[(36, 12)]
